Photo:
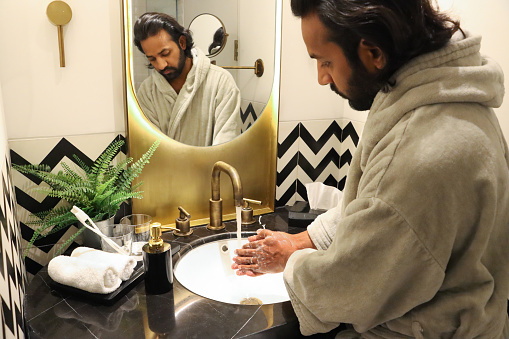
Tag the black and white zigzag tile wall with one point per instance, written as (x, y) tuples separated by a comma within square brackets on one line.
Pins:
[(249, 112), (319, 147), (12, 269), (307, 152), (313, 151), (287, 163), (349, 140), (50, 151)]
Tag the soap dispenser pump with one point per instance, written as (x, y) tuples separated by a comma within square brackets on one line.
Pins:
[(157, 263)]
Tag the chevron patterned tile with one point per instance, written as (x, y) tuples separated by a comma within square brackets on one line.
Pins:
[(249, 112), (316, 134), (327, 169), (313, 151), (343, 169), (287, 162), (351, 130), (350, 136), (318, 148), (12, 268), (88, 148)]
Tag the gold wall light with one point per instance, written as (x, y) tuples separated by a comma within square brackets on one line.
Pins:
[(59, 14)]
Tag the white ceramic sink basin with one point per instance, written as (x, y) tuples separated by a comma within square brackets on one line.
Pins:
[(206, 271)]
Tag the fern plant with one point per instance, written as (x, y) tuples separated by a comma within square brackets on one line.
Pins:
[(98, 190)]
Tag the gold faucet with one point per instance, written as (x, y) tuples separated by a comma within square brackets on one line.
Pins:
[(216, 203)]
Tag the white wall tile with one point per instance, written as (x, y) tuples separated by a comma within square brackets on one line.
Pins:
[(43, 99), (302, 98), (34, 150)]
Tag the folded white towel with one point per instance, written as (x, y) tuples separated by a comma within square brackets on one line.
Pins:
[(94, 277), (123, 264)]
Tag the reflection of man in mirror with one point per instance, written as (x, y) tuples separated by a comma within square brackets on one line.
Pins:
[(186, 97)]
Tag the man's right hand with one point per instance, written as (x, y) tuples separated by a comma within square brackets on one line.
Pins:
[(268, 252)]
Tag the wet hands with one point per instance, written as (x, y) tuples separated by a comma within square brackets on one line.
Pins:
[(266, 252)]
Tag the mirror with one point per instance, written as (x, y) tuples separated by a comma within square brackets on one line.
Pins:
[(180, 174), (242, 48), (209, 34)]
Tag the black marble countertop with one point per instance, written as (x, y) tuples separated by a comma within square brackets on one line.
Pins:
[(53, 313)]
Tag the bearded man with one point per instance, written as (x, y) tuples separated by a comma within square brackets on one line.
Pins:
[(186, 97), (419, 247)]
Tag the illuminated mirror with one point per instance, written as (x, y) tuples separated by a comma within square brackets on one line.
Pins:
[(242, 46), (180, 174)]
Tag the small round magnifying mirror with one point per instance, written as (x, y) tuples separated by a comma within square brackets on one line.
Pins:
[(209, 34)]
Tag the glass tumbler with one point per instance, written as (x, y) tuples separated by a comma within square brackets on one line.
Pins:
[(140, 224), (122, 235)]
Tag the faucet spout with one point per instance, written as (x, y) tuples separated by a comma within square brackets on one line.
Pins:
[(216, 203), (219, 167)]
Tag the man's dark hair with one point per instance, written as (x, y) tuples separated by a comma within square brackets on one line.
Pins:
[(149, 24), (402, 29), (217, 39)]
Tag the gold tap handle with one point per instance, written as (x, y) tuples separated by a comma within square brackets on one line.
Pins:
[(183, 213), (166, 227), (251, 201)]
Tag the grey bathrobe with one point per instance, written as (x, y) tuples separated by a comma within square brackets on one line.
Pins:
[(205, 112), (420, 245)]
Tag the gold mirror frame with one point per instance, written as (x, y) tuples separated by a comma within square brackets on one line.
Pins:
[(180, 175)]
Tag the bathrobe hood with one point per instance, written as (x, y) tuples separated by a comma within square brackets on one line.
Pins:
[(457, 73)]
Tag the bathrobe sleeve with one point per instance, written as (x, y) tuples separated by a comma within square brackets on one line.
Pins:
[(228, 123), (395, 234), (323, 229), (368, 274), (416, 206)]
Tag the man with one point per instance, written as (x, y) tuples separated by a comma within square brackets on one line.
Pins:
[(419, 247), (186, 97)]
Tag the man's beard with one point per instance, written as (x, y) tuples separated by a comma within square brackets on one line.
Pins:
[(363, 87), (176, 71)]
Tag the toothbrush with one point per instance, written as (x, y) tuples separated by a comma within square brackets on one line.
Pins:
[(83, 217)]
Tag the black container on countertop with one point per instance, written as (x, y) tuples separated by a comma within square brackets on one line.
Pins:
[(157, 263), (301, 215)]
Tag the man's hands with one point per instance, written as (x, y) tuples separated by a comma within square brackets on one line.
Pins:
[(268, 252)]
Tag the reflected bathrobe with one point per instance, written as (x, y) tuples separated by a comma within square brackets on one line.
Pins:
[(420, 246), (205, 112)]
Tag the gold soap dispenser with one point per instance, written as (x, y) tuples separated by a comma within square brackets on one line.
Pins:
[(157, 263)]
